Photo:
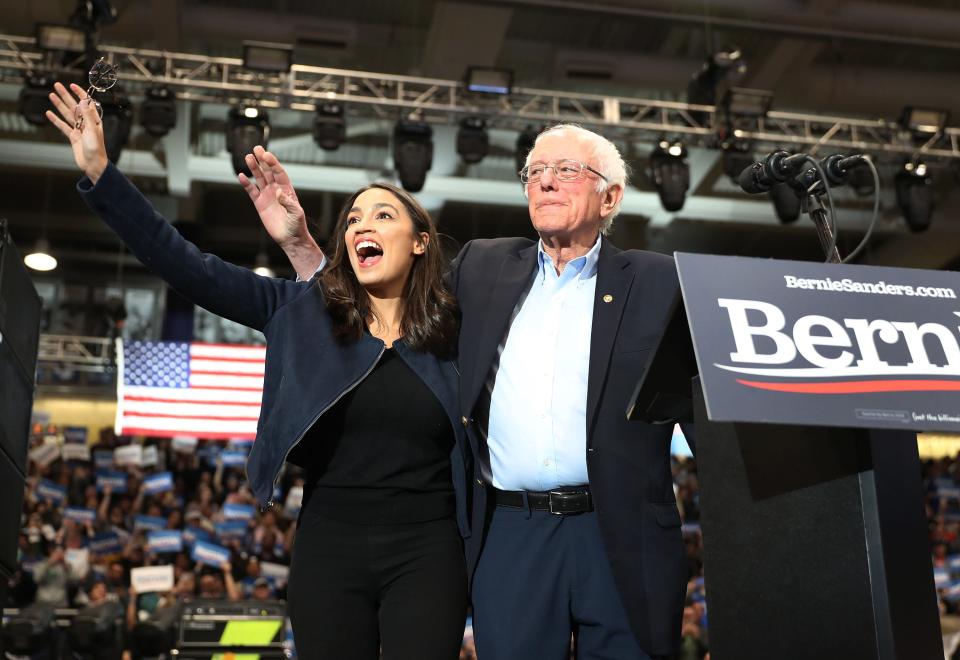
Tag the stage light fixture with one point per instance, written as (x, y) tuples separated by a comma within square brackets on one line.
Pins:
[(743, 102), (117, 122), (473, 141), (786, 203), (915, 195), (40, 259), (737, 156), (489, 80), (267, 57), (670, 174), (158, 112), (726, 66), (525, 141), (247, 126), (924, 121), (329, 126), (34, 99), (60, 38), (412, 153)]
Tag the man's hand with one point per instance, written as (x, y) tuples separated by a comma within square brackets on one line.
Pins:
[(89, 151), (280, 212)]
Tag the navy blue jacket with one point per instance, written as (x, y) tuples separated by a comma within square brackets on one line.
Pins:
[(628, 462), (307, 370)]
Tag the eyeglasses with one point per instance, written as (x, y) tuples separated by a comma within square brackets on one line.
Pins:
[(564, 170)]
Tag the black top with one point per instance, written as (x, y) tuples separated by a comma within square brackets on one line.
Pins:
[(382, 453)]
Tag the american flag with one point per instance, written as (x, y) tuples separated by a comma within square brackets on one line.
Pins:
[(189, 389)]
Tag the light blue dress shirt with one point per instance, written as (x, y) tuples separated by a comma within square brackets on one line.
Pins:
[(537, 430)]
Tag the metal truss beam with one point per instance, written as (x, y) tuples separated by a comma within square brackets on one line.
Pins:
[(201, 78)]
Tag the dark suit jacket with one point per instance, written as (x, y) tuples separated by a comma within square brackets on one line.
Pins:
[(628, 462)]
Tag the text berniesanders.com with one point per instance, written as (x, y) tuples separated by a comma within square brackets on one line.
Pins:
[(848, 285)]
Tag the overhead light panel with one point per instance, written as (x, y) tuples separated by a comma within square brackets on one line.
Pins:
[(247, 127), (743, 102), (158, 112), (60, 38), (473, 141), (412, 153), (924, 121), (329, 126), (489, 80), (267, 57)]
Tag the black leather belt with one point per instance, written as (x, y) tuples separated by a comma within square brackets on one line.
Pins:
[(574, 500)]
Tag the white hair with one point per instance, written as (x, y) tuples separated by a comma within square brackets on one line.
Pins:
[(606, 159)]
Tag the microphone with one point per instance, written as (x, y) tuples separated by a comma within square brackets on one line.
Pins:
[(775, 168), (837, 167)]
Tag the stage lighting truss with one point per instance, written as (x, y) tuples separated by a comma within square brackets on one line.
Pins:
[(202, 78)]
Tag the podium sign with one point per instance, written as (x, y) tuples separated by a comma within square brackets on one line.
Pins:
[(807, 343)]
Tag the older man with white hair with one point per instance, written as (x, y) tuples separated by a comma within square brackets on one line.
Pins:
[(575, 529)]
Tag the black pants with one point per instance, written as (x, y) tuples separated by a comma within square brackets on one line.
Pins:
[(355, 589)]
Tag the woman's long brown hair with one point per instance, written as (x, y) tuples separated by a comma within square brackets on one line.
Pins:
[(430, 318)]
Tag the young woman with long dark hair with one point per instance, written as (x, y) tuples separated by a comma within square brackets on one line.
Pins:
[(360, 389)]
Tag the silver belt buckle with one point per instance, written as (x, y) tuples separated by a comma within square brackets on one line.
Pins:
[(550, 495)]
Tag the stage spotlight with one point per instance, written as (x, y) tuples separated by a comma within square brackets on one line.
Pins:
[(95, 631), (40, 259), (61, 38), (860, 179), (34, 98), (412, 153), (329, 126), (737, 156), (670, 174), (786, 203), (525, 141), (28, 633), (473, 141), (247, 126), (724, 66), (158, 112), (915, 195), (117, 122), (488, 80), (743, 102), (267, 57)]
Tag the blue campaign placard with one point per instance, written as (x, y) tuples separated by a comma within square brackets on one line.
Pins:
[(51, 491), (103, 458), (165, 540), (233, 458), (116, 480), (238, 511), (231, 529), (209, 554), (106, 543), (77, 434), (149, 522), (941, 577), (193, 534), (79, 514), (158, 483)]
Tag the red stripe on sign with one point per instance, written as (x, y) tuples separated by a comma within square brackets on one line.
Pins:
[(207, 402), (203, 417), (225, 387), (161, 433), (858, 387)]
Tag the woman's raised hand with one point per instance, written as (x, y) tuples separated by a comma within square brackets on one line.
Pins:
[(274, 198), (89, 150)]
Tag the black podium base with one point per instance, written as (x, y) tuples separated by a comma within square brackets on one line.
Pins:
[(815, 543)]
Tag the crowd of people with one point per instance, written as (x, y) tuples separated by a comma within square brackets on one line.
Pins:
[(69, 562), (941, 485)]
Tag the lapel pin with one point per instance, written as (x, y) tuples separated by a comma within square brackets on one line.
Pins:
[(607, 298)]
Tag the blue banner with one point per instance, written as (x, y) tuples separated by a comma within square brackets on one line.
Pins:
[(158, 483), (149, 522), (238, 511), (231, 529), (116, 480), (103, 458), (233, 458), (106, 543), (51, 491), (941, 577), (79, 514), (193, 534), (210, 554), (76, 434), (166, 540)]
